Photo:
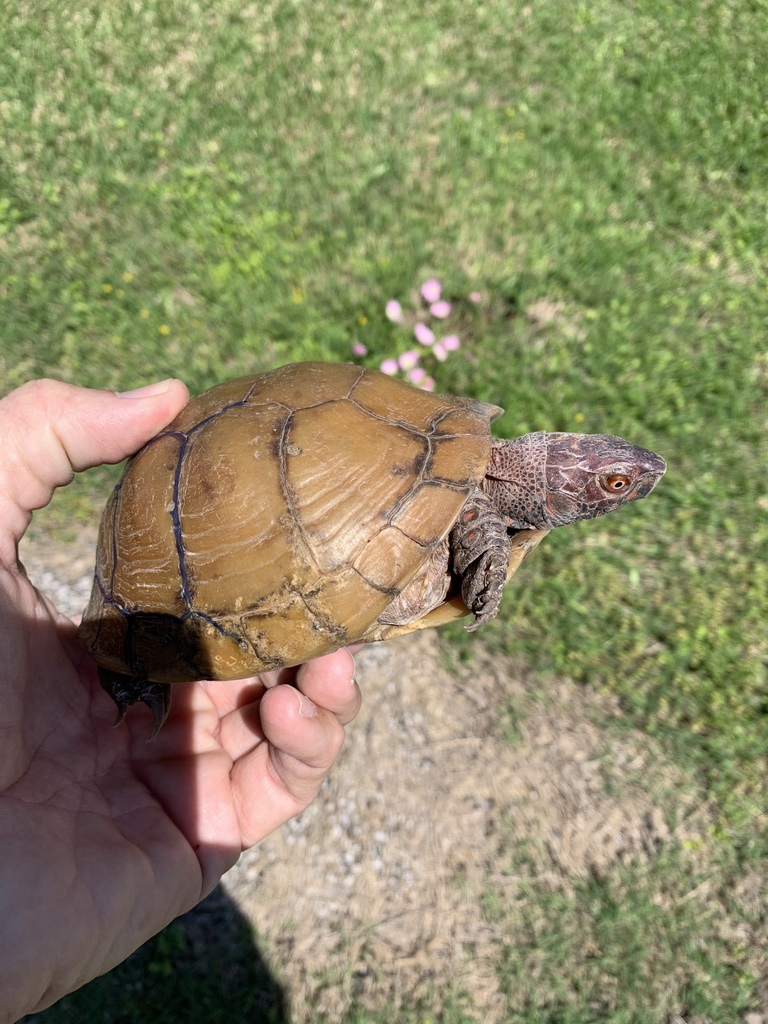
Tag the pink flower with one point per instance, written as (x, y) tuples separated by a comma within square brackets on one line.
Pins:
[(451, 343), (440, 309), (428, 385), (359, 349), (394, 311), (417, 375), (431, 290), (440, 352), (475, 297), (389, 366), (408, 359), (423, 334)]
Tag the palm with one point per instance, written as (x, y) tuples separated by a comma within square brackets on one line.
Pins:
[(109, 816)]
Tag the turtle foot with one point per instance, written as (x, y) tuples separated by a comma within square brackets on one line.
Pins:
[(126, 690)]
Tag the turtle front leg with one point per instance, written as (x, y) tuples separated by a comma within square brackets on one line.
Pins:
[(126, 690), (481, 550)]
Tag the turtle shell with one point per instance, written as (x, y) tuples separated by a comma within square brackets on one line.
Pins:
[(276, 519)]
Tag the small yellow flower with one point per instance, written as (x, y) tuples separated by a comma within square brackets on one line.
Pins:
[(127, 277), (106, 288), (164, 329), (117, 341), (143, 313), (297, 296), (362, 320), (579, 417)]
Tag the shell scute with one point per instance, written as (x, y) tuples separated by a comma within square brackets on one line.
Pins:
[(233, 509), (387, 562), (208, 404), (146, 574), (459, 461), (280, 639), (353, 467), (304, 385), (429, 513), (399, 402)]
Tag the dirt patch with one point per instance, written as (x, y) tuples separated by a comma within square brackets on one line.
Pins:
[(430, 816), (63, 570), (451, 792), (543, 313)]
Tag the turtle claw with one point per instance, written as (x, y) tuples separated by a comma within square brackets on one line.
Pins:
[(157, 697), (126, 690), (121, 709)]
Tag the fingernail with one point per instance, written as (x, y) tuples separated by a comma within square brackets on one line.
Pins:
[(148, 391), (306, 708)]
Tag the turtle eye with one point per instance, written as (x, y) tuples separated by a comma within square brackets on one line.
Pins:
[(616, 482)]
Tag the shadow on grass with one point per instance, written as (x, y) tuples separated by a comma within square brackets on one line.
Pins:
[(204, 968)]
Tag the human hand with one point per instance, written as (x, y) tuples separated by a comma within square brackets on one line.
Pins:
[(106, 837)]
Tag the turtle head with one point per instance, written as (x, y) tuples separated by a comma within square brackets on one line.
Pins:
[(543, 480)]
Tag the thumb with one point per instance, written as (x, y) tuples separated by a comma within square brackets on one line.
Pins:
[(51, 430)]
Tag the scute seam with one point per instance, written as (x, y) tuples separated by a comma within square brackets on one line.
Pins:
[(290, 498)]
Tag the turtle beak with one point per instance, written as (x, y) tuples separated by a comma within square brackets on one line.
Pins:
[(652, 468)]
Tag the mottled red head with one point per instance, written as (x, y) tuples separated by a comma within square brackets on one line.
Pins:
[(543, 480)]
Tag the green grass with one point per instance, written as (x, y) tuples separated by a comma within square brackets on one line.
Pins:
[(640, 958), (209, 190)]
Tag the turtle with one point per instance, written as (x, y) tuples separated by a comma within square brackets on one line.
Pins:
[(282, 516)]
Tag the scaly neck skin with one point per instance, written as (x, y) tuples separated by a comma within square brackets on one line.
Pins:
[(516, 481), (543, 480)]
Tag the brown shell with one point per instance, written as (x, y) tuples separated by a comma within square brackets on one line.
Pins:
[(276, 518)]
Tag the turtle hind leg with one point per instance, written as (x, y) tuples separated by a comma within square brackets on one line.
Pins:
[(126, 690)]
